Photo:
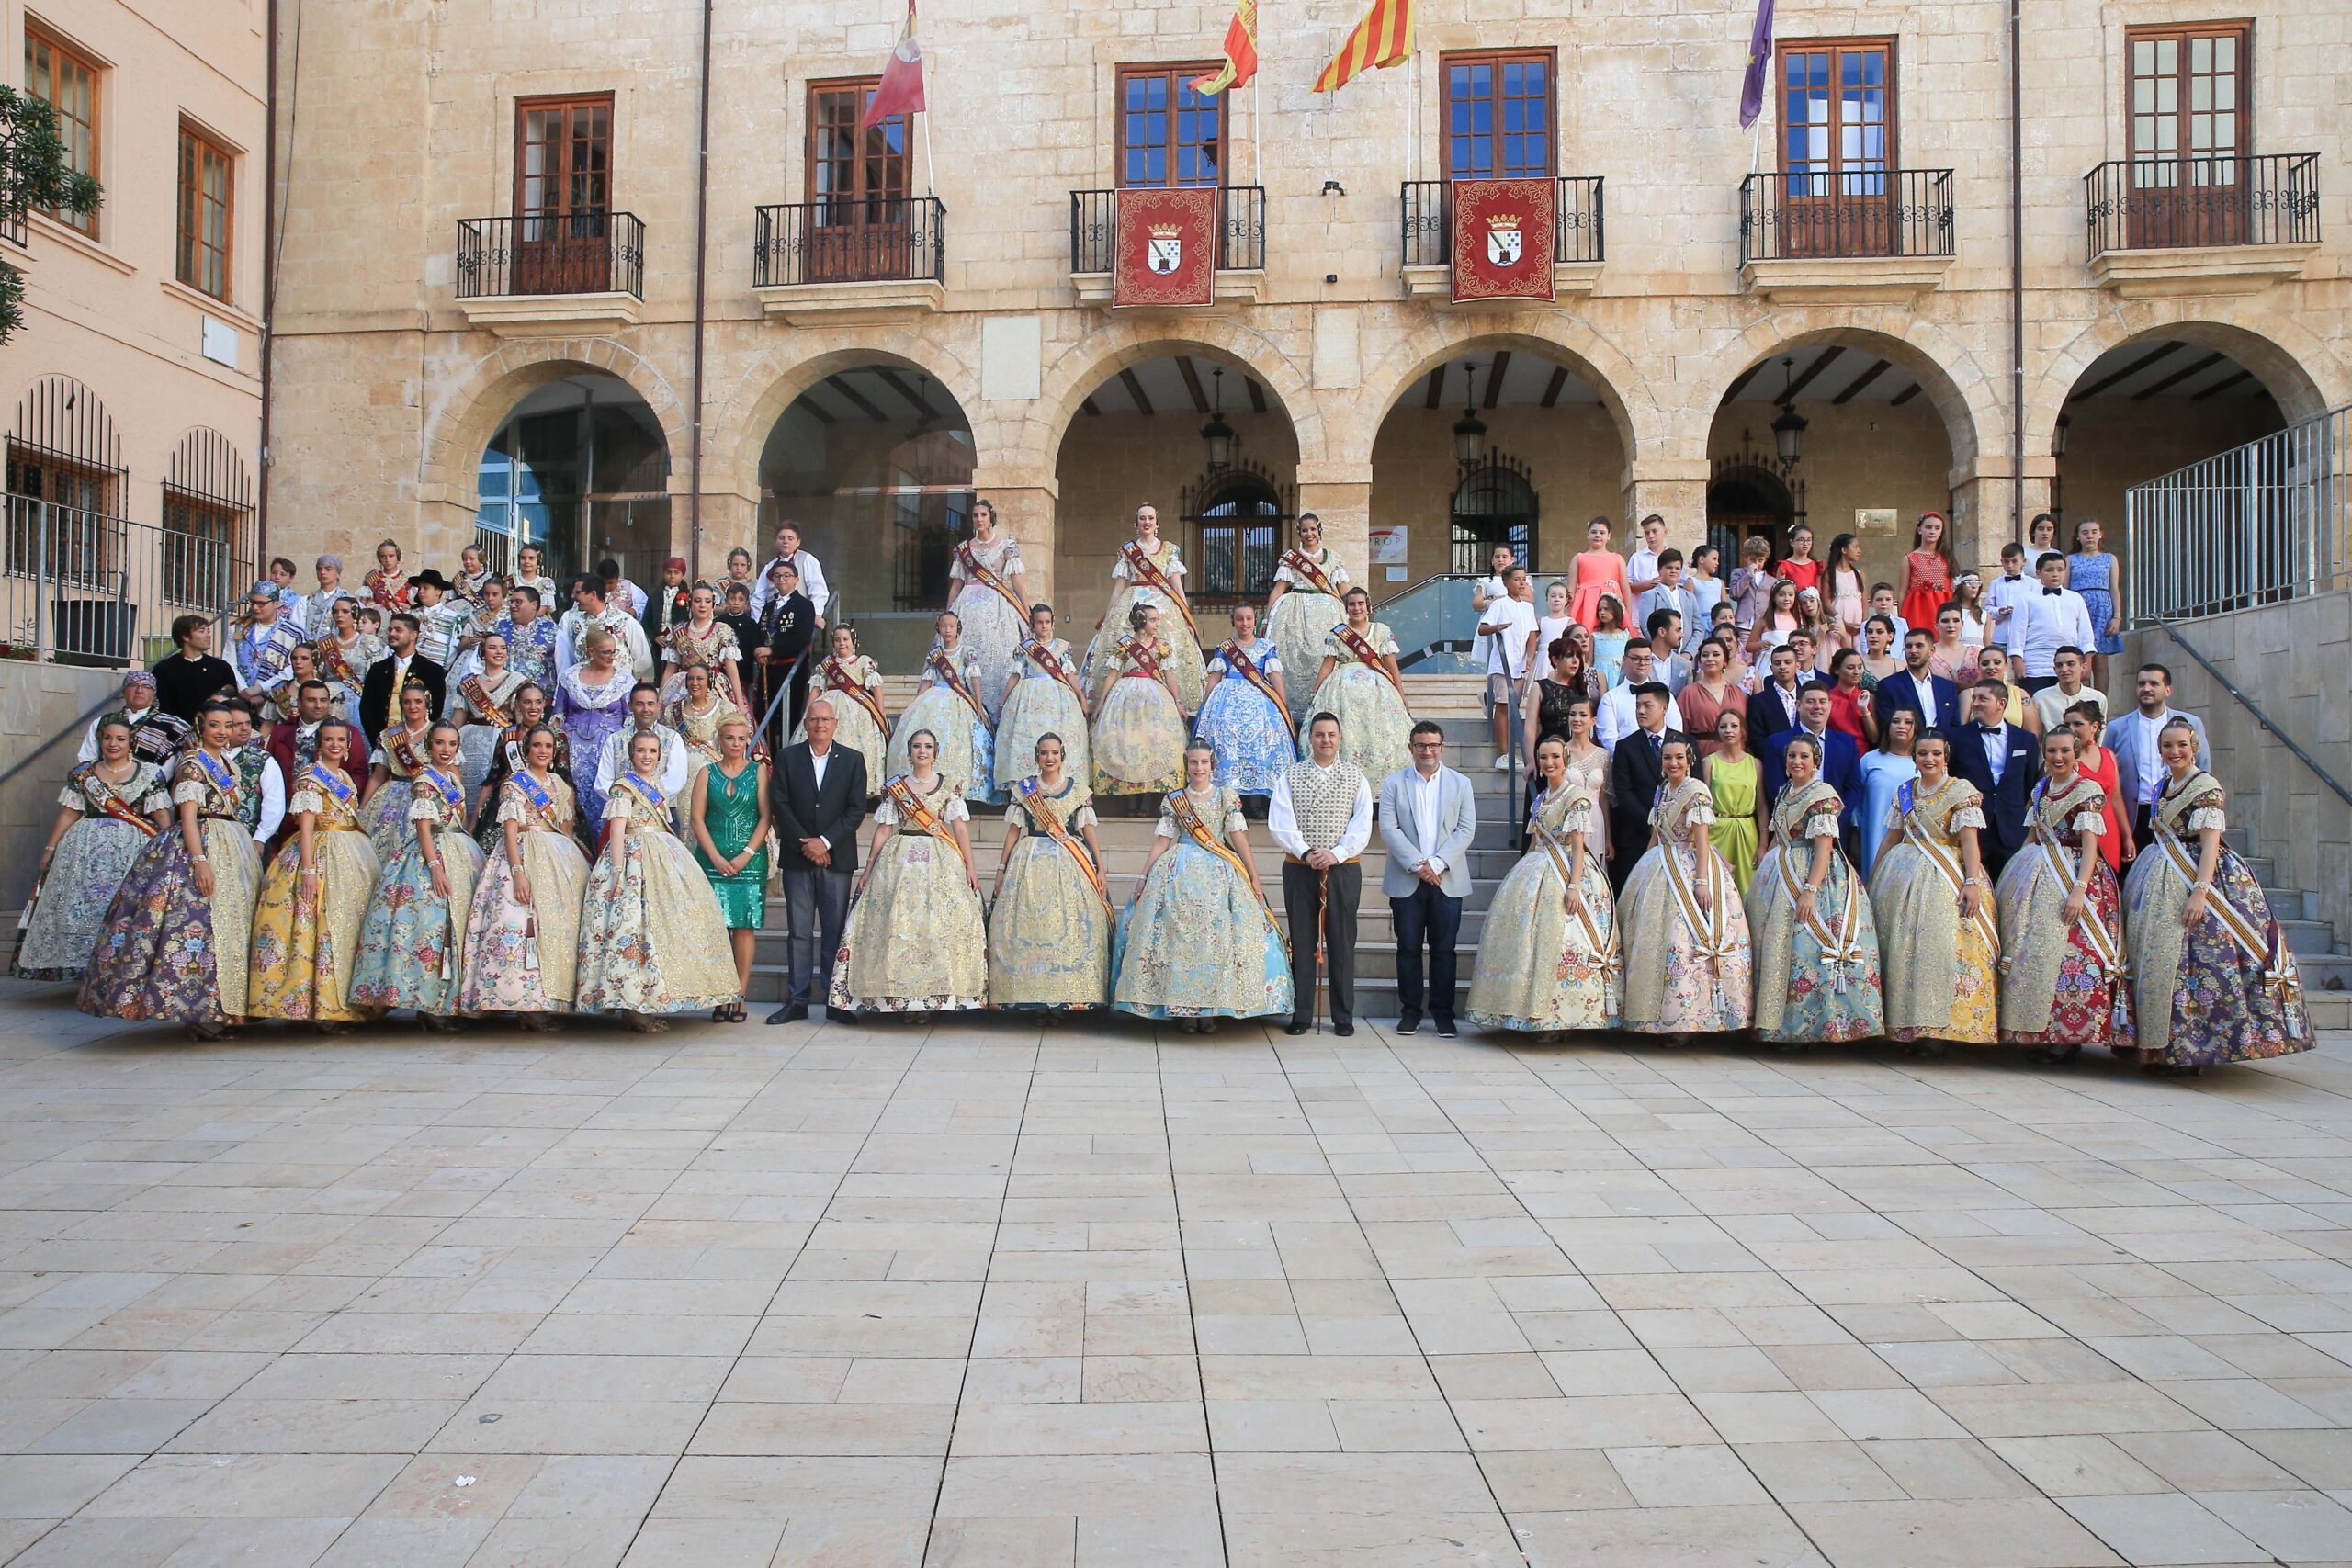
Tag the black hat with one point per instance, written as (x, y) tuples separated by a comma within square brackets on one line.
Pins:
[(429, 577)]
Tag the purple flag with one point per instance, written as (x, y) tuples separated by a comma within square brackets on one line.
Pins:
[(1759, 64)]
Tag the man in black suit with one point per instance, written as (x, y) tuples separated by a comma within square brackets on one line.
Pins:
[(1917, 687), (667, 605), (787, 626), (2002, 760), (820, 797), (1774, 708), (1634, 778), (379, 693)]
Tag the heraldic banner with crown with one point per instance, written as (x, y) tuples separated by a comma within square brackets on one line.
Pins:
[(1502, 239), (1164, 247)]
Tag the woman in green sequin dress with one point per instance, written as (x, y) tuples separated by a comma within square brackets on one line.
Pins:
[(730, 836)]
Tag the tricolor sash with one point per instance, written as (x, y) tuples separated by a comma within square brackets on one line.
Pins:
[(1052, 826), (839, 680), (1923, 838), (1356, 643), (1142, 568), (1563, 865), (476, 693), (914, 814), (1317, 580), (952, 679), (1242, 664), (975, 572), (1841, 950), (1180, 807), (104, 798)]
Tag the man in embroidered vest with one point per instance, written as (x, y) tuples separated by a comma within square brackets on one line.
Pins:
[(1321, 816)]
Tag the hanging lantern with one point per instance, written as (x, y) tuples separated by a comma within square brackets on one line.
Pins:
[(1218, 435), (1788, 430), (1469, 430)]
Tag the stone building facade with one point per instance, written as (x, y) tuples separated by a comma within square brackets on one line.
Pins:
[(863, 405)]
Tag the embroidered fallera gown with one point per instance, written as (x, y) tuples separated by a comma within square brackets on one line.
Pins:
[(1816, 981), (1538, 968), (88, 868), (592, 715), (482, 707), (306, 939), (1247, 729), (2063, 986), (1049, 934), (1196, 942), (855, 724), (2226, 990), (1039, 704), (994, 626), (711, 648), (1138, 731), (1941, 973), (915, 940), (1128, 590), (1303, 616), (1686, 969), (966, 749), (413, 945), (524, 957), (1374, 728), (651, 937), (384, 816)]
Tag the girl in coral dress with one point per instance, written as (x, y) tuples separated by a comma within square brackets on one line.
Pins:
[(1598, 570), (1927, 572)]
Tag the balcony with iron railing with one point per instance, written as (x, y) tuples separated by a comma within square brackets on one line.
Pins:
[(2226, 225), (1240, 243), (1853, 234), (1424, 227), (552, 271), (854, 255)]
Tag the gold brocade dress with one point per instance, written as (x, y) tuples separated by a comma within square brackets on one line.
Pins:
[(1374, 728), (1138, 732), (1686, 968), (524, 957), (1049, 935), (855, 725), (1184, 662), (1942, 973), (1538, 968), (2062, 984), (652, 938), (306, 936), (915, 939), (1816, 980)]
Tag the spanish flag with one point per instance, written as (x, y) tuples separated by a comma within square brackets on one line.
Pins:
[(1382, 39), (1240, 52)]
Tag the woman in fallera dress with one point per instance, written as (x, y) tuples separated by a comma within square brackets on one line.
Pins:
[(2062, 984), (703, 641), (730, 820), (696, 715), (282, 705), (992, 595), (1548, 961), (314, 898), (1684, 929), (412, 944), (483, 704), (523, 934), (1138, 722), (1049, 929), (1303, 605), (592, 701), (1940, 951), (400, 751), (1149, 571), (854, 682), (948, 704), (1359, 684), (531, 712), (652, 938), (1815, 939), (1196, 942), (2214, 980), (386, 586), (1246, 714), (1044, 698), (344, 655), (175, 941), (109, 811), (916, 940)]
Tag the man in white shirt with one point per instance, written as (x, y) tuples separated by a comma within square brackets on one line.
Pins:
[(590, 608), (619, 591), (812, 575), (1664, 627), (2002, 597), (1642, 566), (2052, 701), (2139, 768), (1428, 817), (1616, 717), (1504, 625), (2050, 618), (1671, 593), (644, 718), (1321, 813)]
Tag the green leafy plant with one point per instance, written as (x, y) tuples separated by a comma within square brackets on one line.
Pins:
[(33, 173)]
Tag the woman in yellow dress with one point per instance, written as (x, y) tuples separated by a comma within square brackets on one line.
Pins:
[(652, 938), (1149, 571), (1940, 950), (854, 683), (314, 898), (916, 941), (1734, 782), (523, 936), (1360, 685), (1049, 931), (1138, 719), (1549, 959)]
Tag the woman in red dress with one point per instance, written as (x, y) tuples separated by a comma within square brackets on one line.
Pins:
[(1598, 570), (1927, 572), (2097, 764)]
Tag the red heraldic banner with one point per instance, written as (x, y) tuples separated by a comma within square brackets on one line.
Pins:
[(1164, 246), (1502, 239)]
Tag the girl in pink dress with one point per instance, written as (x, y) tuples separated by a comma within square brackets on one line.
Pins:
[(1927, 572), (1598, 570)]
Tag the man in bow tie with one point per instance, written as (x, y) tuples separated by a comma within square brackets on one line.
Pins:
[(2049, 618), (2002, 760)]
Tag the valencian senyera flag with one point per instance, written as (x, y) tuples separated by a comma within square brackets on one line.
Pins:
[(1240, 51), (1384, 37), (1759, 65)]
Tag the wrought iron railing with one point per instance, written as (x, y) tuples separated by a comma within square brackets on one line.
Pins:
[(85, 588), (2264, 522), (849, 240), (1240, 227), (1845, 213), (13, 226), (1425, 220), (2138, 204), (566, 253)]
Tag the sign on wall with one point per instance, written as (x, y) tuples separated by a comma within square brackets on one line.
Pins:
[(1502, 239), (1164, 247), (1388, 545), (1875, 520)]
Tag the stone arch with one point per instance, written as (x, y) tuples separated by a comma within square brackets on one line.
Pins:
[(460, 423), (2297, 365), (1038, 439), (1963, 396), (739, 425), (1623, 390)]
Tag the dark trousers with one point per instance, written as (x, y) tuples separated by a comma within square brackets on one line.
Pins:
[(2143, 829), (1426, 913), (1305, 894), (2030, 684), (816, 904), (1629, 840)]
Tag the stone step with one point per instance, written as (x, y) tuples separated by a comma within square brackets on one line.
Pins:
[(2315, 938)]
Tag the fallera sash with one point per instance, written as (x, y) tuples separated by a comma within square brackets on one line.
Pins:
[(1147, 658), (2106, 946), (975, 572), (452, 791), (478, 693), (1709, 930), (1142, 568), (952, 679), (1355, 643), (223, 777), (839, 682), (921, 818), (1180, 806), (1318, 580), (1923, 838), (1050, 823), (106, 799), (1046, 659), (1563, 863), (335, 786), (540, 800), (1841, 950), (1247, 668), (402, 744), (2279, 976)]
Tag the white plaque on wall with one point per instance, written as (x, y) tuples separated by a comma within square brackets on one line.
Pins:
[(220, 343), (1874, 519)]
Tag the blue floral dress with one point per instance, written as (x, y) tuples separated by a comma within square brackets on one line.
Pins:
[(2093, 577), (1250, 735), (1818, 980), (1196, 942)]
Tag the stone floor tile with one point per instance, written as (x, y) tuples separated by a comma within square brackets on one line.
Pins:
[(1835, 1472), (1693, 1476), (2299, 1526), (2168, 1528), (2030, 1533), (1082, 1428), (209, 1486), (1757, 1535), (54, 1487), (1306, 1537), (2078, 1467), (548, 1543), (407, 1543)]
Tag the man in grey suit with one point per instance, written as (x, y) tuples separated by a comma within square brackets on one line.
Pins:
[(2131, 736), (819, 796), (1428, 817)]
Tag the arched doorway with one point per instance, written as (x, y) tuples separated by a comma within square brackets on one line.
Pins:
[(1494, 504), (1237, 520), (580, 468), (1746, 498)]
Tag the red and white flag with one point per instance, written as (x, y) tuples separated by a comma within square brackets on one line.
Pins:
[(900, 89)]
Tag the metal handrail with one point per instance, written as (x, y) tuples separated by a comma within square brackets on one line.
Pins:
[(2260, 717)]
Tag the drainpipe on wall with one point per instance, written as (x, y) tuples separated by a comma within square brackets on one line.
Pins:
[(702, 248), (2016, 280), (269, 288)]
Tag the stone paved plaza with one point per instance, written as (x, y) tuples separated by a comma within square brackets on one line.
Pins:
[(988, 1293)]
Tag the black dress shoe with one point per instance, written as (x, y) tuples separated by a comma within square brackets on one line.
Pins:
[(1343, 1029), (1408, 1024), (1445, 1028), (1294, 1027), (791, 1013)]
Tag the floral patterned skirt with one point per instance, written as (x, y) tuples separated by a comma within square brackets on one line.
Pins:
[(2201, 1000), (524, 957), (1802, 998), (1251, 738), (413, 942), (166, 953), (385, 816), (304, 954), (1196, 943), (651, 936), (1536, 969), (85, 874), (1301, 621), (2090, 1004), (1671, 989), (914, 941), (1049, 935), (1373, 726)]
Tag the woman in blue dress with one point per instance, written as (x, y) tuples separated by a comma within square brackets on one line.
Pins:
[(2091, 571), (1884, 773), (1244, 718)]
